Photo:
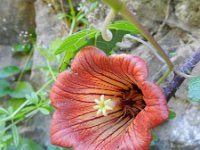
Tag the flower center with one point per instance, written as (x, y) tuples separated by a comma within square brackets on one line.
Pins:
[(132, 102), (103, 105)]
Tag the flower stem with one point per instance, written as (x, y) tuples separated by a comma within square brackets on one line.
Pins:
[(118, 6), (51, 71)]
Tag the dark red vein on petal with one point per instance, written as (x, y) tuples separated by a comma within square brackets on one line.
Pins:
[(120, 66), (126, 71), (69, 87), (105, 122), (126, 122), (88, 119), (107, 130), (70, 98), (129, 74), (97, 77), (100, 72), (119, 94), (112, 73), (88, 85), (119, 132)]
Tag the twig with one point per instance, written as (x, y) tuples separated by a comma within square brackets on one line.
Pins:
[(172, 86)]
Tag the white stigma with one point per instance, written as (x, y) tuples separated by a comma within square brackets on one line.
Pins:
[(103, 105)]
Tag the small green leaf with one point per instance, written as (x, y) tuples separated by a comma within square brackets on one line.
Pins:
[(108, 46), (4, 88), (45, 53), (44, 110), (22, 89), (124, 26), (155, 139), (172, 114), (61, 15), (33, 97), (15, 102), (21, 47), (15, 134), (194, 89), (9, 71), (3, 111), (48, 52), (6, 138), (54, 45)]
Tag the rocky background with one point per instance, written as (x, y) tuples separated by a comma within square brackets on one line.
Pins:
[(174, 23)]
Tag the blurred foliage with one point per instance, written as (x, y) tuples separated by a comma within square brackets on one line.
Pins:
[(172, 115), (9, 71)]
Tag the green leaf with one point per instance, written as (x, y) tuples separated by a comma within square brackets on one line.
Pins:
[(21, 47), (194, 89), (108, 46), (9, 71), (61, 15), (33, 97), (4, 88), (124, 26), (54, 45), (49, 52), (172, 114), (22, 89), (15, 102), (77, 40), (3, 111), (155, 139), (44, 111), (45, 53), (15, 134)]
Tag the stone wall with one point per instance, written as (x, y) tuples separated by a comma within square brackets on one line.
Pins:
[(15, 16)]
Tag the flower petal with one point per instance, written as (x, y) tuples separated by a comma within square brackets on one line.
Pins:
[(131, 67), (98, 133), (84, 65), (86, 130), (70, 90), (156, 110), (136, 138)]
